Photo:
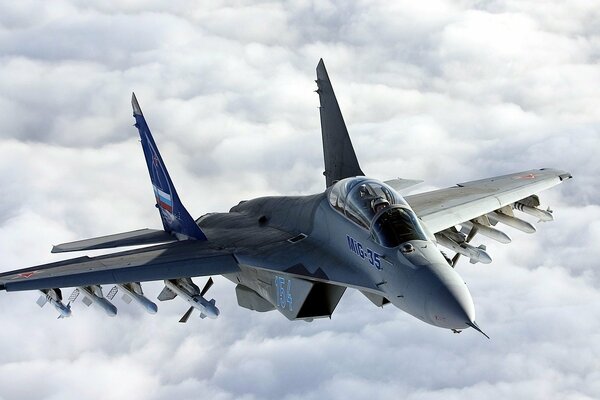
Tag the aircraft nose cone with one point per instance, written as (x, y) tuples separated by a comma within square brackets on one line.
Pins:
[(451, 306)]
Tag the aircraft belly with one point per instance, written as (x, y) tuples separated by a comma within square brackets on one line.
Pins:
[(248, 298)]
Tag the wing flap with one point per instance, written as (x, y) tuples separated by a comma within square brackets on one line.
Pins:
[(171, 261), (444, 208), (132, 238)]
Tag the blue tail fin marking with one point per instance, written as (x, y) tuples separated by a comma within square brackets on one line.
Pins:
[(175, 218)]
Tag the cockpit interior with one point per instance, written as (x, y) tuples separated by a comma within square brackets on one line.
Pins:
[(377, 207)]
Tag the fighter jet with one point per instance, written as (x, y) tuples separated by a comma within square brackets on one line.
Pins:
[(299, 254)]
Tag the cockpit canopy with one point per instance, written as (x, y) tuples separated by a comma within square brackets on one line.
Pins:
[(376, 206)]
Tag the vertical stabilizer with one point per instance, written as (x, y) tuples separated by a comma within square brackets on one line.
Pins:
[(175, 218), (340, 159)]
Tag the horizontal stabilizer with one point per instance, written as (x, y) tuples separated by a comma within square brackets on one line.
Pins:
[(134, 238)]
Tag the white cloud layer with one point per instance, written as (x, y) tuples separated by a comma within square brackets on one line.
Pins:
[(439, 90)]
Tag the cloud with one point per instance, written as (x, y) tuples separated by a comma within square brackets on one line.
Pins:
[(441, 91)]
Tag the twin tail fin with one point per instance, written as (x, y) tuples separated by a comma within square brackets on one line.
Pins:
[(175, 218)]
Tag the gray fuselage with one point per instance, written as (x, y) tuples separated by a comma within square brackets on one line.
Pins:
[(414, 276)]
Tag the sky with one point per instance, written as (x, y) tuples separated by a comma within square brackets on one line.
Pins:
[(444, 91)]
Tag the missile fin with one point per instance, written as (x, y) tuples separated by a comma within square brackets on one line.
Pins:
[(209, 283), (42, 300), (112, 293), (137, 288), (167, 294), (73, 296), (126, 298), (186, 315)]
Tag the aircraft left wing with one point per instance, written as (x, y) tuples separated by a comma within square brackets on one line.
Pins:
[(445, 208), (169, 261), (478, 206)]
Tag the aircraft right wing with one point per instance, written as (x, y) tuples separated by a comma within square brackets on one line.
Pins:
[(264, 248), (168, 261)]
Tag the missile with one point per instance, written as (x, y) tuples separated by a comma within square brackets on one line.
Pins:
[(93, 294), (514, 222), (455, 236), (54, 297), (544, 216), (189, 292), (476, 254), (134, 291), (488, 231)]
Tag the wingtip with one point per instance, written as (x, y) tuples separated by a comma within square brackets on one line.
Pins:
[(135, 105)]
